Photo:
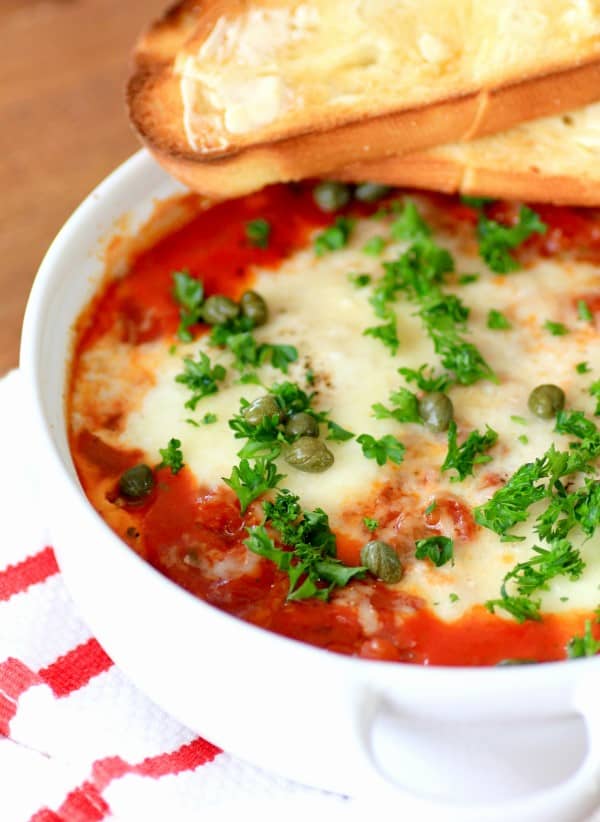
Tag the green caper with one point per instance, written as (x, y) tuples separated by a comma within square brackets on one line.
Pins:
[(254, 307), (219, 309), (331, 196), (309, 454), (381, 560), (546, 401), (265, 406), (302, 425), (137, 482), (371, 192), (515, 661), (436, 411)]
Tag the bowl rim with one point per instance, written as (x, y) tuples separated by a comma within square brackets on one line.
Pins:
[(85, 215)]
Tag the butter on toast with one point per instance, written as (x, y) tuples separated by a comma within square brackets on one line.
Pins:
[(553, 159), (231, 95)]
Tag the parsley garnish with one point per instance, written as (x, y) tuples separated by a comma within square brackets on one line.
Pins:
[(336, 433), (406, 407), (467, 279), (556, 329), (497, 321), (189, 293), (584, 312), (586, 645), (419, 272), (236, 335), (311, 565), (496, 240), (382, 450), (249, 482), (594, 390), (386, 333), (583, 368), (472, 452), (370, 524), (520, 420), (427, 383), (438, 549), (359, 280), (258, 232), (410, 225), (171, 456), (334, 237), (209, 419), (374, 246), (454, 597), (200, 377)]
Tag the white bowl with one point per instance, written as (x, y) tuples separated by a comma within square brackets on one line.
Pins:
[(451, 743)]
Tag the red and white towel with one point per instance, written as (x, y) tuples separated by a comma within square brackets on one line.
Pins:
[(78, 742)]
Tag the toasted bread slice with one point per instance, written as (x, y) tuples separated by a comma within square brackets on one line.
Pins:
[(231, 95), (554, 159)]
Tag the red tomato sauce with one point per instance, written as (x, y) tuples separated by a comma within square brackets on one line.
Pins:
[(193, 535)]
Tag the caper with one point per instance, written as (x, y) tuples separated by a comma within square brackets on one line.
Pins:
[(546, 401), (265, 406), (436, 411), (254, 307), (331, 196), (381, 560), (371, 192), (219, 309), (309, 454), (302, 425), (515, 661), (137, 482)]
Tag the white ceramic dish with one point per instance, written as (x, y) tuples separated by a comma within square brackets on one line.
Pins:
[(520, 743)]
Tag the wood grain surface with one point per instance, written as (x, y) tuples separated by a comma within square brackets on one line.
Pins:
[(63, 65)]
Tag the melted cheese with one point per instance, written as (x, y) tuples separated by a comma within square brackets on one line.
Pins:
[(314, 307)]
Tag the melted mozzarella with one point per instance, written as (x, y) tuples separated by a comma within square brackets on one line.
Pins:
[(314, 306)]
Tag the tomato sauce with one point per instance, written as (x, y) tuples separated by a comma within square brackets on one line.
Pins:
[(195, 535)]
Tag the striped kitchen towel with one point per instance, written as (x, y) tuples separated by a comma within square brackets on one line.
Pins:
[(78, 742)]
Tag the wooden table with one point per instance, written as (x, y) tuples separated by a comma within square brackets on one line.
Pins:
[(63, 65)]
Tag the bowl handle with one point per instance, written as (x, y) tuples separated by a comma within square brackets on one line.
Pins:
[(574, 798)]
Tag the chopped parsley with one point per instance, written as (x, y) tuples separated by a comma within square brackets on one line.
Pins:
[(438, 549), (171, 456), (386, 333), (374, 246), (311, 563), (188, 292), (419, 273), (454, 597), (556, 329), (583, 368), (359, 280), (237, 336), (581, 646), (584, 312), (382, 450), (406, 407), (370, 524), (334, 237), (200, 377), (410, 225), (209, 419), (463, 458), (431, 507), (336, 433), (497, 321), (258, 232), (467, 279), (519, 420), (523, 439), (594, 391), (251, 481), (496, 241), (426, 382)]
